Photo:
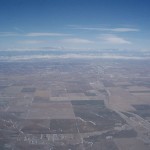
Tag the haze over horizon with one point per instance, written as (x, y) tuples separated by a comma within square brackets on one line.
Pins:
[(74, 24)]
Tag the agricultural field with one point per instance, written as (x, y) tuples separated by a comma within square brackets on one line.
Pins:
[(75, 105)]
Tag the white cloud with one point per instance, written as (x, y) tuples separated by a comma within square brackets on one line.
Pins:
[(77, 41), (113, 39), (31, 48), (106, 29), (125, 30), (33, 34), (48, 48), (46, 34), (32, 42)]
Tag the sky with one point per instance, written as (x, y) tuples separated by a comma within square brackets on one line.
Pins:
[(74, 24)]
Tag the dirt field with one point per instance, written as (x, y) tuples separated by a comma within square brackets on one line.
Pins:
[(130, 144)]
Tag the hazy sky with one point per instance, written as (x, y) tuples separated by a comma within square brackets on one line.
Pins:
[(74, 24)]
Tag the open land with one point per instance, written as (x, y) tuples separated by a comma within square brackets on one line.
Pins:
[(74, 104)]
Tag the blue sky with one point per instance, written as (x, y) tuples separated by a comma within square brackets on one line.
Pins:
[(74, 24)]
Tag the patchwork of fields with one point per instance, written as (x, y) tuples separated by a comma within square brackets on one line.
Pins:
[(75, 105)]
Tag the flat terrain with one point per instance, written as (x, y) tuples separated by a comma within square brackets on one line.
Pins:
[(74, 104)]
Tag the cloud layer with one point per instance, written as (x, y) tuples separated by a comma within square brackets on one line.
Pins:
[(81, 38), (46, 34), (77, 41), (33, 34), (32, 42), (113, 39), (105, 29)]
